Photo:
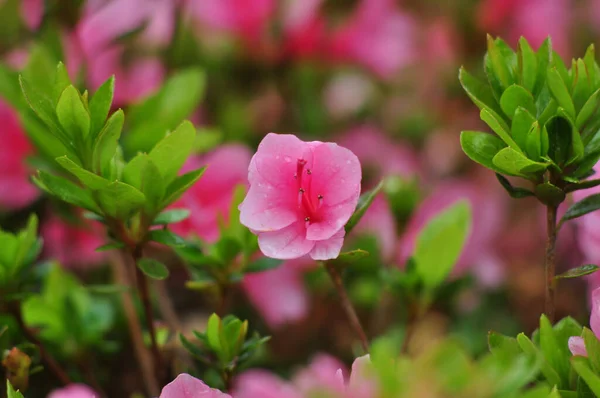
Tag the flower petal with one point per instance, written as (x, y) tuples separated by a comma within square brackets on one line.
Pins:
[(186, 386), (577, 346), (595, 316), (330, 248), (336, 173), (287, 243)]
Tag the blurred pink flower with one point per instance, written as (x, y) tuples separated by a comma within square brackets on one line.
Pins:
[(279, 294), (487, 212), (210, 198), (576, 343), (515, 18), (74, 246), (74, 391), (32, 12), (15, 189), (304, 28), (323, 376), (378, 36), (301, 196), (247, 19), (186, 386)]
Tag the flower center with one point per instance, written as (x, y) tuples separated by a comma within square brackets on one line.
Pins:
[(308, 204)]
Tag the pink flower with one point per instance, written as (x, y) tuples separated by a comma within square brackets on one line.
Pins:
[(74, 246), (576, 343), (378, 36), (210, 198), (186, 386), (16, 191), (32, 12), (279, 294), (304, 28), (487, 223), (301, 196), (74, 391)]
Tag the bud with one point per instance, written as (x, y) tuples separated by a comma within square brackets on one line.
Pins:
[(17, 364)]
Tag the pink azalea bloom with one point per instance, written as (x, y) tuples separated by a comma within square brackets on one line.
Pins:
[(515, 18), (186, 386), (210, 198), (301, 196), (32, 12), (304, 28), (576, 343), (247, 19), (487, 216), (74, 391), (378, 36), (74, 246), (279, 294), (15, 189)]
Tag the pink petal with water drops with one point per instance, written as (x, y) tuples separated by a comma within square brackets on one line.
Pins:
[(287, 243), (330, 248), (186, 386)]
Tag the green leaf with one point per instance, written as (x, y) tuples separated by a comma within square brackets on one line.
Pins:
[(514, 163), (10, 391), (586, 205), (262, 264), (498, 64), (578, 271), (481, 147), (213, 333), (100, 105), (107, 289), (480, 93), (527, 64), (514, 97), (72, 114), (120, 200), (364, 202), (549, 194), (556, 355), (352, 256), (521, 125), (89, 179), (171, 216), (172, 151), (499, 129), (589, 109), (66, 191), (153, 268), (531, 350), (537, 142), (181, 184), (110, 246), (581, 85), (560, 91), (582, 368), (62, 81), (592, 347), (142, 173), (107, 142), (544, 58), (166, 237), (502, 345), (447, 232), (514, 192)]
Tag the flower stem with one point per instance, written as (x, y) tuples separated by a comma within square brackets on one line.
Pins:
[(144, 292), (550, 263), (347, 305), (48, 359)]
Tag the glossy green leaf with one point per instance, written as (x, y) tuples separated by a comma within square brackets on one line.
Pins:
[(447, 233), (480, 93), (554, 352), (142, 173), (120, 200), (514, 97), (172, 151), (11, 392), (560, 91), (107, 142), (578, 271), (585, 206), (213, 332), (171, 216), (72, 114), (481, 147), (589, 109), (537, 142), (497, 65), (592, 347), (544, 59), (514, 163), (582, 368), (499, 129), (110, 246), (581, 85), (166, 237), (364, 202), (514, 192), (66, 191), (521, 125), (527, 59), (100, 105), (153, 268), (181, 184), (61, 82), (89, 179), (549, 194)]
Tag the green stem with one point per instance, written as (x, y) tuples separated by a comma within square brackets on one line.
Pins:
[(550, 263)]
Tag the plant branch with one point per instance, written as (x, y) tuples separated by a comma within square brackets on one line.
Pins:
[(550, 263), (48, 359), (347, 305)]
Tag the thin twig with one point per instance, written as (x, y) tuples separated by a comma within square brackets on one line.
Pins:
[(166, 307), (347, 305), (550, 263), (143, 357), (48, 359)]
